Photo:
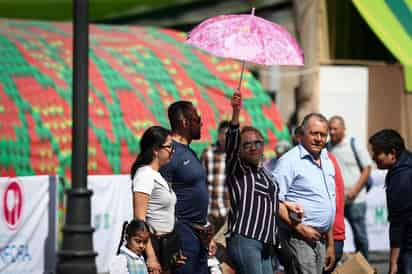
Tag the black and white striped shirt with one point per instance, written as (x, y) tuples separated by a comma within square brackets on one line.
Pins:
[(253, 195)]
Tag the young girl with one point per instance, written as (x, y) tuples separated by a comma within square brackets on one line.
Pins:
[(129, 259)]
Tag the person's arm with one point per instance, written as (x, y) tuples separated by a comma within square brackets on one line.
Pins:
[(233, 134), (285, 208), (393, 260), (330, 251), (284, 215), (396, 230), (140, 202), (363, 179), (308, 232), (291, 213), (236, 103), (283, 175), (366, 164)]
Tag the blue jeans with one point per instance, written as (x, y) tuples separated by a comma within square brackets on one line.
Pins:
[(248, 255), (338, 250), (355, 213), (193, 249)]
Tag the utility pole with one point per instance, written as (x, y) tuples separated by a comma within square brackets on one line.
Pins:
[(77, 255)]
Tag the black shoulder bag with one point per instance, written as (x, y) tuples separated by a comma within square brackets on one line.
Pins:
[(167, 248), (369, 183)]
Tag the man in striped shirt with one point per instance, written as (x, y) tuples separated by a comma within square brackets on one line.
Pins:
[(253, 198)]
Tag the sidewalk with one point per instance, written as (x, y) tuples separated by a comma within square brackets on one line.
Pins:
[(379, 260)]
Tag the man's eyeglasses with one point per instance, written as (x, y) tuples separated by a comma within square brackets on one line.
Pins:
[(257, 144)]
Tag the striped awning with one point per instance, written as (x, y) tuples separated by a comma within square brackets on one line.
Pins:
[(391, 20)]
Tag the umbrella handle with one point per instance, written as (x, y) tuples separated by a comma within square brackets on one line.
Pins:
[(241, 75)]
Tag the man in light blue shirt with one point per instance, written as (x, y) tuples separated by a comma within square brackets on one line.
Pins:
[(306, 176)]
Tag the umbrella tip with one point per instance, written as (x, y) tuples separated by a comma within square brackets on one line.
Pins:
[(253, 11)]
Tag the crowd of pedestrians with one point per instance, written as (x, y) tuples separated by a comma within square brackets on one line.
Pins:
[(286, 211)]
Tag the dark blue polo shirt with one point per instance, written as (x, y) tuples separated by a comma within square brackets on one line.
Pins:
[(188, 178)]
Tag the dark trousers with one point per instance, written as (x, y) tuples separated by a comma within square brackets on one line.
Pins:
[(405, 263), (193, 249)]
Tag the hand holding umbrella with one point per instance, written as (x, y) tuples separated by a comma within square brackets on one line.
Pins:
[(246, 38), (236, 103)]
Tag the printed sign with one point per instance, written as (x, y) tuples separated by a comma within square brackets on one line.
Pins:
[(12, 204), (111, 206), (27, 233)]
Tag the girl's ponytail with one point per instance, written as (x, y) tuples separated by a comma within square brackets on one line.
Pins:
[(122, 237)]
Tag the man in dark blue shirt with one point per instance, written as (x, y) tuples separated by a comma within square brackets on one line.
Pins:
[(188, 178), (389, 152)]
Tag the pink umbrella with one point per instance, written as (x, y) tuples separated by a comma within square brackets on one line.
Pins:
[(248, 38)]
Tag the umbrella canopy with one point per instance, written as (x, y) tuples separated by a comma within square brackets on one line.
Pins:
[(247, 38), (135, 73)]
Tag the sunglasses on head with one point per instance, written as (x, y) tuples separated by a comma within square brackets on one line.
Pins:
[(248, 145)]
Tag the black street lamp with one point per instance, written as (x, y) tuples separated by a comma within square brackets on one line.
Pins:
[(77, 254)]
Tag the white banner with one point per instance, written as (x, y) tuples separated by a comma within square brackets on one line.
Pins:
[(26, 234), (111, 206), (376, 217)]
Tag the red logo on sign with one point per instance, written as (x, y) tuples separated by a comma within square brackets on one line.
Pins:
[(12, 204)]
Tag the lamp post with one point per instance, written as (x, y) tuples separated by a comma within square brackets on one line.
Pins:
[(77, 254)]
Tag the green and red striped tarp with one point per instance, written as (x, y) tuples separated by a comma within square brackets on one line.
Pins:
[(135, 73), (391, 20)]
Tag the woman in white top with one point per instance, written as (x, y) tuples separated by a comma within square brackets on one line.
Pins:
[(153, 199)]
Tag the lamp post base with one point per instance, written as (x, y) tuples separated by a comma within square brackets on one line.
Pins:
[(77, 255), (77, 268)]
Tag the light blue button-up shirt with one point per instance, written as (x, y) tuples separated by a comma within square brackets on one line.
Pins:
[(303, 181)]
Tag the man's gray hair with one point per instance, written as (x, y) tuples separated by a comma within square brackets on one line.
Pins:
[(318, 116), (338, 118)]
